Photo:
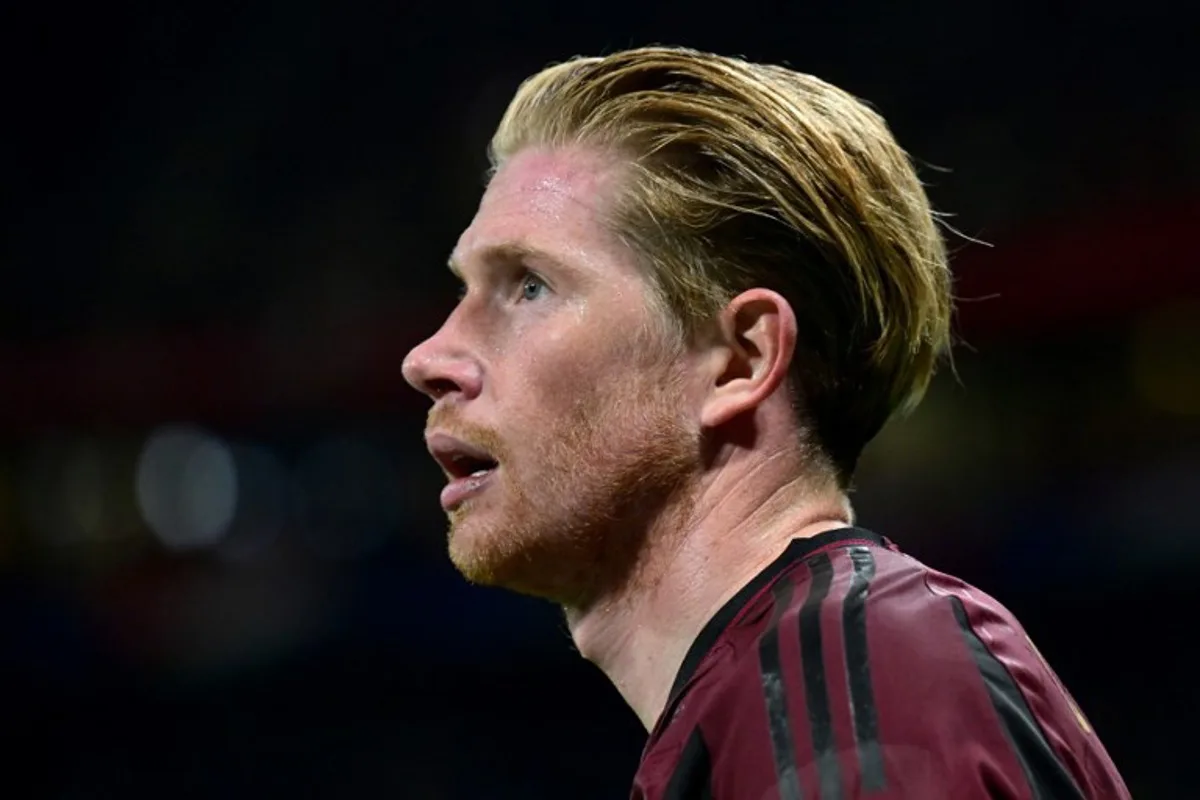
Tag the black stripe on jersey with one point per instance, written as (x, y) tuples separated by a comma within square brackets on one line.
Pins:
[(816, 691), (858, 671), (1047, 777), (692, 778), (775, 694), (797, 551)]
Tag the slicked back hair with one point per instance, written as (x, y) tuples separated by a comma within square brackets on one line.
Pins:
[(746, 175)]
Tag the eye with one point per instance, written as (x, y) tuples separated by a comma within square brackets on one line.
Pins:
[(531, 287)]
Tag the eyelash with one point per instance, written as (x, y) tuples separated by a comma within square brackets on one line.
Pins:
[(526, 276)]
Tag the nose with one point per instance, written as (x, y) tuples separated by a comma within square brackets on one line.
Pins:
[(438, 367)]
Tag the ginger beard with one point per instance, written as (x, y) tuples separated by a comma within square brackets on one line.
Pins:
[(578, 499)]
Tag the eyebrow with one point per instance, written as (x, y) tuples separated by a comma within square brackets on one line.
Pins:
[(507, 253)]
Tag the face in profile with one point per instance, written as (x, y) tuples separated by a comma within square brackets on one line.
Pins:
[(561, 414)]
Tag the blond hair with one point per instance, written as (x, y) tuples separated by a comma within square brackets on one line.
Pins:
[(747, 175)]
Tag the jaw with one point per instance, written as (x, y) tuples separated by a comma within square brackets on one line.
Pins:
[(574, 510)]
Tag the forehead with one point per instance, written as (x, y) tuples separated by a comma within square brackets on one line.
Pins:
[(548, 200)]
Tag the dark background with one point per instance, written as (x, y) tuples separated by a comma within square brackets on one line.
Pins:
[(221, 556)]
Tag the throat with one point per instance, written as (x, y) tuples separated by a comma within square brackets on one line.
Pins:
[(638, 630), (639, 659)]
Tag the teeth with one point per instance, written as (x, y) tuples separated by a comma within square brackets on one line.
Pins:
[(479, 473)]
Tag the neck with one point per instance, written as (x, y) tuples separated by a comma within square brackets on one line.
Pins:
[(691, 566)]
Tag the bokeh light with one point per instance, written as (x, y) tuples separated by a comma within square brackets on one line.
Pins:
[(186, 487)]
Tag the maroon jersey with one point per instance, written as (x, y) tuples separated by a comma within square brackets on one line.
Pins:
[(847, 669)]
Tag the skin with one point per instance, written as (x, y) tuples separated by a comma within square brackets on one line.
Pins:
[(641, 481)]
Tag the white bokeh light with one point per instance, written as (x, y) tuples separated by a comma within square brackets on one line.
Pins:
[(186, 487)]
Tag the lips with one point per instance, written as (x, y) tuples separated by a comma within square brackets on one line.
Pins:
[(469, 468), (457, 458)]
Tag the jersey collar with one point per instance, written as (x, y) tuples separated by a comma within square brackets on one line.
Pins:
[(797, 550)]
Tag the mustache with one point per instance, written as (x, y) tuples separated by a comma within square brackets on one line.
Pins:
[(446, 418)]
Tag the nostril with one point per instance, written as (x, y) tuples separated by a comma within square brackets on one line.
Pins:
[(438, 388)]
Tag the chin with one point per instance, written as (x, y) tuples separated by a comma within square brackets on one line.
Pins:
[(483, 549), (469, 544), (581, 533), (535, 561)]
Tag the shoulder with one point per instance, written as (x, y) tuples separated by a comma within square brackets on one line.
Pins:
[(869, 628), (855, 670), (873, 669), (859, 669), (835, 612)]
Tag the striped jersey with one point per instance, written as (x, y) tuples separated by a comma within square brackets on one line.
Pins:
[(847, 669)]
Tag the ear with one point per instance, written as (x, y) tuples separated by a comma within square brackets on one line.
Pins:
[(755, 343)]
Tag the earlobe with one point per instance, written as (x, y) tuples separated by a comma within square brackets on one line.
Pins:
[(756, 343)]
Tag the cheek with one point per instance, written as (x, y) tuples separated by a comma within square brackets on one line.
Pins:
[(574, 366), (559, 372), (570, 392)]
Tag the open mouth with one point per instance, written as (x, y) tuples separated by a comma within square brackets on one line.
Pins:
[(459, 459), (465, 466), (468, 468)]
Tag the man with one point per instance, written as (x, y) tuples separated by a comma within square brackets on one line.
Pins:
[(694, 290)]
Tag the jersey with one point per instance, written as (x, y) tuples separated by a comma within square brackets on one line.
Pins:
[(847, 669)]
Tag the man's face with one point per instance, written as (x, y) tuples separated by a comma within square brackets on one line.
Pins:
[(561, 412)]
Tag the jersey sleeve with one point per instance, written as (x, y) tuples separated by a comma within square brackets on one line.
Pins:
[(906, 694)]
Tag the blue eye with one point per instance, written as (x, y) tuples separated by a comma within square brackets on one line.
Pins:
[(531, 287)]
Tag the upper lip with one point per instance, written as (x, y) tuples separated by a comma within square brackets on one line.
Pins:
[(457, 458)]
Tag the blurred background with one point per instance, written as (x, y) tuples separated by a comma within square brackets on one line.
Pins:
[(222, 567)]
